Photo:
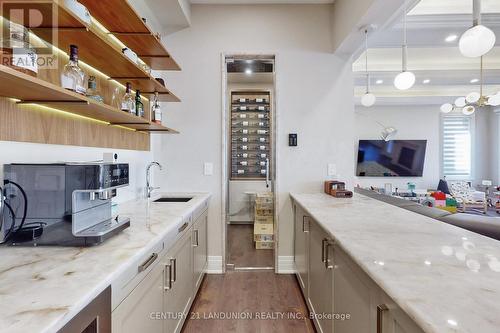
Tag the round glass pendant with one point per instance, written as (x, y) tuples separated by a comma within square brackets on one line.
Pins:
[(473, 97), (477, 41), (494, 100), (460, 102), (446, 108), (468, 110), (404, 80), (368, 99)]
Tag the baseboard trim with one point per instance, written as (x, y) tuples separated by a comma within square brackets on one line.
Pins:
[(286, 265), (214, 265)]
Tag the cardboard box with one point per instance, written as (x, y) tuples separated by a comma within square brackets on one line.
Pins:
[(264, 219), (263, 232), (263, 212), (264, 245)]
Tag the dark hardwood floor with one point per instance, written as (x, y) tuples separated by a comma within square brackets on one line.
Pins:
[(275, 297), (242, 252)]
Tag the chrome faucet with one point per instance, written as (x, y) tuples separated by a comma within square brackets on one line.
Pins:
[(149, 188)]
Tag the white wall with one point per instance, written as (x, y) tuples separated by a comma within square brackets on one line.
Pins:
[(412, 122), (314, 99), (20, 152)]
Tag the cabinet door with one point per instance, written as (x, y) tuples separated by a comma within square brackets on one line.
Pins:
[(392, 319), (199, 249), (137, 312), (354, 294), (301, 246), (320, 296), (179, 293)]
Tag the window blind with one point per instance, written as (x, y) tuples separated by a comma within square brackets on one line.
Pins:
[(457, 146)]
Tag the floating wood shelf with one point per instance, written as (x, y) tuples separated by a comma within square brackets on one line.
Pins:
[(99, 51), (30, 90), (151, 128), (127, 25)]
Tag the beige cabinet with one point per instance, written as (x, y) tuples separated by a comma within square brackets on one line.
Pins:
[(179, 283), (160, 302), (301, 248), (200, 243), (392, 319), (355, 295), (340, 295), (320, 294), (141, 311)]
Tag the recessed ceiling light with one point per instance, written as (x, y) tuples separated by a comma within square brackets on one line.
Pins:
[(451, 38), (426, 81), (474, 81), (379, 81), (249, 61), (248, 71)]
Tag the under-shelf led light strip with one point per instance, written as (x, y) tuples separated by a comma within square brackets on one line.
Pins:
[(66, 113)]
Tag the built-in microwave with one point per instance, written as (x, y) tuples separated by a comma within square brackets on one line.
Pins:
[(94, 318)]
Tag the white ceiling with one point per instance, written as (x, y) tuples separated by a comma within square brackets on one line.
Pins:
[(260, 2), (429, 55)]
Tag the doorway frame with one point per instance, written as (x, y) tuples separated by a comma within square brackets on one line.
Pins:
[(224, 155)]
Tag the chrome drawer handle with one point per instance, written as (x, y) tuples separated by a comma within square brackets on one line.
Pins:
[(173, 264), (323, 244), (380, 317), (197, 243), (167, 283), (148, 262), (183, 227), (327, 259), (304, 220)]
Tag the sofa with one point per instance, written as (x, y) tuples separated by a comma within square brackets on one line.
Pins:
[(480, 224)]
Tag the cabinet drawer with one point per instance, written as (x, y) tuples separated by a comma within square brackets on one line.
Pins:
[(133, 275)]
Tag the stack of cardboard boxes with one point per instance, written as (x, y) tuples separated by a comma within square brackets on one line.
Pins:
[(263, 231)]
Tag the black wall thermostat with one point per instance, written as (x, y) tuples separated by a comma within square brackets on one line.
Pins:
[(292, 139)]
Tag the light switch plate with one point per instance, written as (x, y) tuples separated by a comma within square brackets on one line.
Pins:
[(208, 169), (331, 169)]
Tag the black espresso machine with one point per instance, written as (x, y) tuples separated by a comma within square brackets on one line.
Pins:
[(66, 204)]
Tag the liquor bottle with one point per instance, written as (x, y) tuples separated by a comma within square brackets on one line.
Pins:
[(139, 107), (92, 89), (128, 103), (156, 110), (72, 76)]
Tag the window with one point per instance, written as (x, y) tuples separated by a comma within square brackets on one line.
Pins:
[(456, 149)]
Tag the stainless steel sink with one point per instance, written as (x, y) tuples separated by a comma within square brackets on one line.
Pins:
[(173, 199)]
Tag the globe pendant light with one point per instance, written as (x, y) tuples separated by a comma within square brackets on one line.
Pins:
[(404, 80), (478, 40), (368, 99), (473, 100)]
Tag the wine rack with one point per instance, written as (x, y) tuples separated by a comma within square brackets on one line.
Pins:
[(250, 135)]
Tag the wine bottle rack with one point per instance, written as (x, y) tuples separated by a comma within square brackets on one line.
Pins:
[(250, 135)]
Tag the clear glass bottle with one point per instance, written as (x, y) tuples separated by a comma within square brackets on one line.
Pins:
[(128, 103), (72, 76), (139, 106), (156, 115), (92, 91)]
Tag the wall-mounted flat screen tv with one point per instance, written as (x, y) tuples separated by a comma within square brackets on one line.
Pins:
[(395, 158)]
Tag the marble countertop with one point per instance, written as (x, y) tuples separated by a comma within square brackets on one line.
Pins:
[(42, 288), (447, 279)]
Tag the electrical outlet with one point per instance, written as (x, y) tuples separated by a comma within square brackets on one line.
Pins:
[(331, 169), (208, 169)]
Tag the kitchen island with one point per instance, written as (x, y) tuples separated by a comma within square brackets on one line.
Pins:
[(44, 288), (393, 270)]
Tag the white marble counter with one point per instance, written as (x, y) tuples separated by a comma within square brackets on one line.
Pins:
[(42, 288), (446, 278)]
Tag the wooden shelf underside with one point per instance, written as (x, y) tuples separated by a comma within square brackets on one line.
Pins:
[(29, 90), (98, 51), (127, 25)]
